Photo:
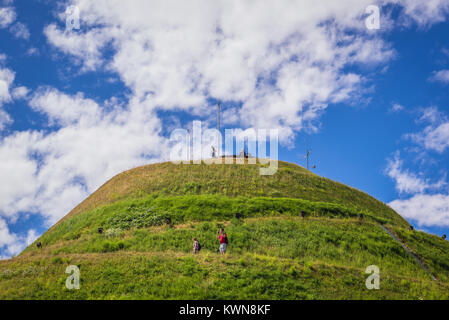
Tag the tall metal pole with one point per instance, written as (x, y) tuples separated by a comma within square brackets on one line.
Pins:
[(188, 145), (218, 116), (307, 157), (307, 160)]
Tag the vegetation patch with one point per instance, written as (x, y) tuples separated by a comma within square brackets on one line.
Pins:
[(138, 217), (150, 211)]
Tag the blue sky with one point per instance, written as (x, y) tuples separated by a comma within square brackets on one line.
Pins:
[(79, 106)]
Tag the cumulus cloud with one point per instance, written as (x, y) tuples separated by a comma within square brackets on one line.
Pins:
[(429, 205), (49, 173), (8, 93), (32, 51), (281, 71), (424, 13), (7, 16), (20, 93), (397, 108), (11, 243), (84, 47), (20, 31), (65, 110), (435, 136), (406, 181), (6, 80), (5, 119), (426, 210), (431, 115), (440, 76), (8, 239), (7, 19)]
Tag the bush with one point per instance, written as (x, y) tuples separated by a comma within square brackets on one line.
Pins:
[(113, 233), (138, 217)]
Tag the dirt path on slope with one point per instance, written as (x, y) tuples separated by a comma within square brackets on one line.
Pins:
[(409, 251)]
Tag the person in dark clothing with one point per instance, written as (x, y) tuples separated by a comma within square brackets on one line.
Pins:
[(196, 246)]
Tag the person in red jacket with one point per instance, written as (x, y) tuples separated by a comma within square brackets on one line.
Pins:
[(221, 235)]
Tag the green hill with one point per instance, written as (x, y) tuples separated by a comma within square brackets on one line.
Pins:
[(301, 237)]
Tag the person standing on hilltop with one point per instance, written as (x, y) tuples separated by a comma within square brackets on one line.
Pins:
[(221, 235)]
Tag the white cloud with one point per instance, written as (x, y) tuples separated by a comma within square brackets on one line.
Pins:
[(397, 108), (12, 244), (424, 13), (6, 79), (20, 31), (6, 237), (435, 136), (5, 119), (440, 76), (283, 61), (33, 51), (283, 71), (7, 16), (408, 182), (431, 115), (87, 148), (427, 210), (66, 110), (32, 235), (20, 92), (86, 48)]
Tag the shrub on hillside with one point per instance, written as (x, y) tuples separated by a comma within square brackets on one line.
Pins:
[(138, 217)]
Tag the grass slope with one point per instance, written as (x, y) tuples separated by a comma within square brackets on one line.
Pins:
[(269, 258), (274, 253), (291, 181)]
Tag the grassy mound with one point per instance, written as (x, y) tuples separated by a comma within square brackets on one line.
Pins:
[(291, 181), (300, 236)]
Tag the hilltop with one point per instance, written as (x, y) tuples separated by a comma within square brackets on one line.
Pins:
[(300, 236)]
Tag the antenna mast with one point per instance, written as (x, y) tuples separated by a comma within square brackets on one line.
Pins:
[(307, 157), (188, 145), (218, 115)]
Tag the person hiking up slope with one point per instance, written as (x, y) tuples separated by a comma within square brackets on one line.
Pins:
[(196, 246), (221, 235)]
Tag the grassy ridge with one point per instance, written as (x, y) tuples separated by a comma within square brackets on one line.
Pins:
[(272, 258), (332, 241), (151, 211), (291, 181), (172, 275)]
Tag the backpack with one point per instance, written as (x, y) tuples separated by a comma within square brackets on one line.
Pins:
[(226, 240), (199, 246)]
